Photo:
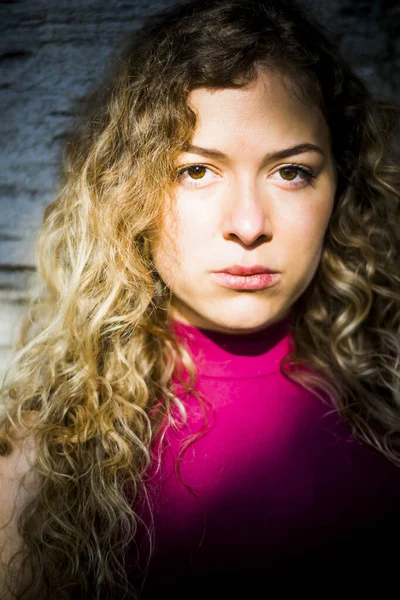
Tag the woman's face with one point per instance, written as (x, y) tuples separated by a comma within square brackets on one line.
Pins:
[(239, 205)]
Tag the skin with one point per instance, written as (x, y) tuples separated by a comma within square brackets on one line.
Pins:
[(244, 210), (18, 484)]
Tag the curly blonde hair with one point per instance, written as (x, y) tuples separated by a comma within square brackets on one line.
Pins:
[(97, 353)]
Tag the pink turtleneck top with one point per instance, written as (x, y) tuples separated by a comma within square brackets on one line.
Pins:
[(276, 492)]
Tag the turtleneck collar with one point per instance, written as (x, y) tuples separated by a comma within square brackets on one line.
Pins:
[(236, 356)]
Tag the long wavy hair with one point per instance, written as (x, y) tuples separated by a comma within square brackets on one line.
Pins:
[(92, 376)]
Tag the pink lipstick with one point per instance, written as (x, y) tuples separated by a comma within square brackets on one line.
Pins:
[(240, 277)]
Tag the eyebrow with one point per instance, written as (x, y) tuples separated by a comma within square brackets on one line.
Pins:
[(279, 154)]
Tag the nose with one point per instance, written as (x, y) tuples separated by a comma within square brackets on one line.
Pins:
[(246, 218)]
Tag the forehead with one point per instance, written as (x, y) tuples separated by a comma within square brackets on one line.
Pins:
[(272, 103)]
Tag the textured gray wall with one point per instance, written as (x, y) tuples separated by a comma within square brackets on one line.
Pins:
[(51, 52)]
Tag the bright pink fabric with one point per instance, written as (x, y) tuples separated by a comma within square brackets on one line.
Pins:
[(276, 476)]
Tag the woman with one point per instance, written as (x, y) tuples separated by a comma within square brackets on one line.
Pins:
[(168, 422)]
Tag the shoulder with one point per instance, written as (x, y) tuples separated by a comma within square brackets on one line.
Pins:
[(18, 484), (17, 472), (15, 466)]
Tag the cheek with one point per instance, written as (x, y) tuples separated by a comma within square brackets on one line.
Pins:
[(165, 250), (316, 215), (305, 234), (192, 228), (172, 247)]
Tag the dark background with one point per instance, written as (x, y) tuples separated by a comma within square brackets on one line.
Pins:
[(53, 51)]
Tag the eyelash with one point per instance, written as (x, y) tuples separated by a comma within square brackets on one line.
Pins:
[(309, 176)]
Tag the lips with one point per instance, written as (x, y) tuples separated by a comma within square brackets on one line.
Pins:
[(257, 281), (243, 270)]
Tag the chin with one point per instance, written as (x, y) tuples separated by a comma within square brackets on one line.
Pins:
[(244, 327), (243, 315), (235, 322), (250, 313)]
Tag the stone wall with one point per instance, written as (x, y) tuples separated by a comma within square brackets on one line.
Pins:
[(52, 52)]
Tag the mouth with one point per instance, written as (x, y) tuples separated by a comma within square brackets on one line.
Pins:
[(257, 281), (247, 270)]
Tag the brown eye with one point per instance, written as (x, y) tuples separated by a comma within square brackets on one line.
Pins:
[(196, 171), (288, 171)]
